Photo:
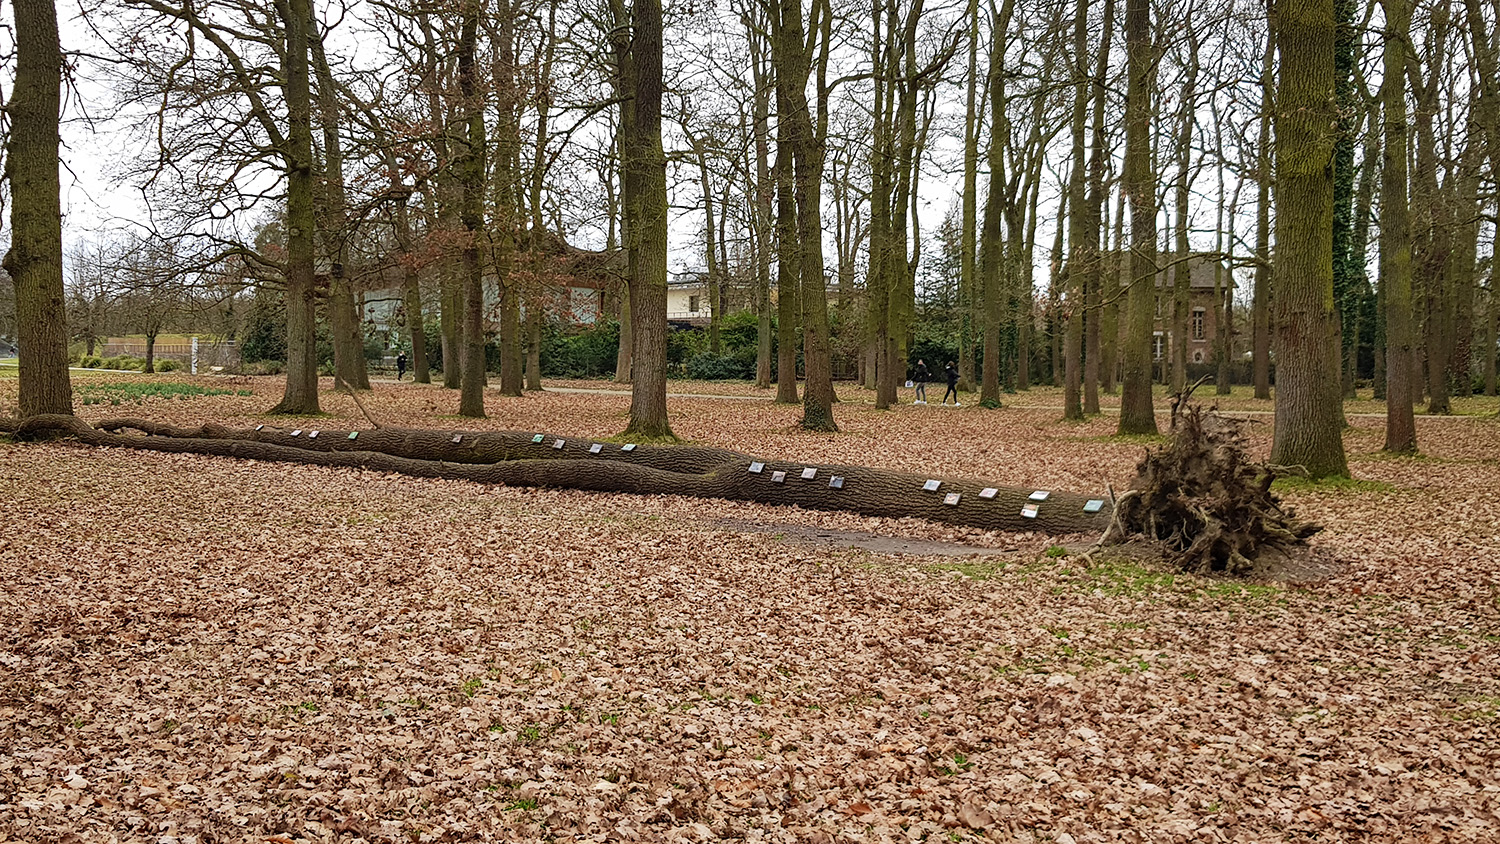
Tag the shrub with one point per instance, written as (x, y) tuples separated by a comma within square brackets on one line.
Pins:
[(168, 365), (90, 361), (590, 353), (737, 365)]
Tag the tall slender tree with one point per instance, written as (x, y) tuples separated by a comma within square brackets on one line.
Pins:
[(1137, 415)]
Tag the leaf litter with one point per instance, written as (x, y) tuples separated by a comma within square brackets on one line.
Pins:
[(200, 649)]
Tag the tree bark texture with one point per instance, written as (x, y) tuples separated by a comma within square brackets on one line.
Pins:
[(512, 458), (470, 167), (1395, 238), (34, 260), (1137, 415), (349, 366), (1260, 303), (1309, 407), (301, 394), (646, 178)]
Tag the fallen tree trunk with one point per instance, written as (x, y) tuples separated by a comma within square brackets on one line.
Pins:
[(516, 458)]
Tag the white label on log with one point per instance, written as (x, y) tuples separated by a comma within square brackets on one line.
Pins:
[(836, 482), (297, 433), (757, 468), (951, 499), (809, 473), (458, 438), (988, 492), (932, 486), (558, 444), (258, 427), (313, 435), (1029, 511), (596, 448), (778, 477), (353, 435), (1093, 505), (628, 447), (1039, 495), (538, 438)]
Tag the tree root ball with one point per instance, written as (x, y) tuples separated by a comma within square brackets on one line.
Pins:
[(1202, 498)]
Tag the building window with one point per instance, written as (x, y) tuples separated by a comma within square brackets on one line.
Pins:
[(1158, 345), (1198, 314), (693, 304)]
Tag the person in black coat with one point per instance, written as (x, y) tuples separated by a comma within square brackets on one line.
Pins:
[(919, 377), (400, 365), (951, 370)]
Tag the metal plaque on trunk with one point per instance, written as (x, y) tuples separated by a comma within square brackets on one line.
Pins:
[(313, 435), (628, 447), (297, 433), (988, 492), (951, 499), (1029, 510), (596, 448), (1093, 505), (559, 444), (538, 438), (458, 438), (809, 473), (932, 486), (836, 482), (757, 468), (353, 435), (1039, 495), (778, 477)]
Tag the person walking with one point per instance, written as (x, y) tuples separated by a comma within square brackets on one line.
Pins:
[(919, 377), (400, 365), (951, 370)]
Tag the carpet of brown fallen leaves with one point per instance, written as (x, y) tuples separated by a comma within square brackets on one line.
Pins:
[(197, 649)]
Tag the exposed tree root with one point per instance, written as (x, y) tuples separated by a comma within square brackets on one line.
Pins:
[(1205, 501)]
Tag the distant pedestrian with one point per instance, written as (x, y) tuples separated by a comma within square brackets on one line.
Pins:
[(400, 365), (920, 376), (951, 370)]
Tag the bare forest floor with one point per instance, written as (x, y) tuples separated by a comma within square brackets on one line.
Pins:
[(198, 649)]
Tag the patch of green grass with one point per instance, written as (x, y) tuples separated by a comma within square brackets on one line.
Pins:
[(1346, 486), (136, 392), (471, 686), (1477, 708), (531, 732), (1057, 551), (523, 804), (1115, 576)]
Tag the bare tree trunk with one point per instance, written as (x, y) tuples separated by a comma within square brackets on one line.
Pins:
[(34, 260), (1137, 415), (762, 215), (1395, 237), (301, 396), (1079, 258), (349, 366), (470, 166), (788, 266), (1260, 307), (1309, 410), (1093, 225), (646, 199), (1181, 271), (968, 239)]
